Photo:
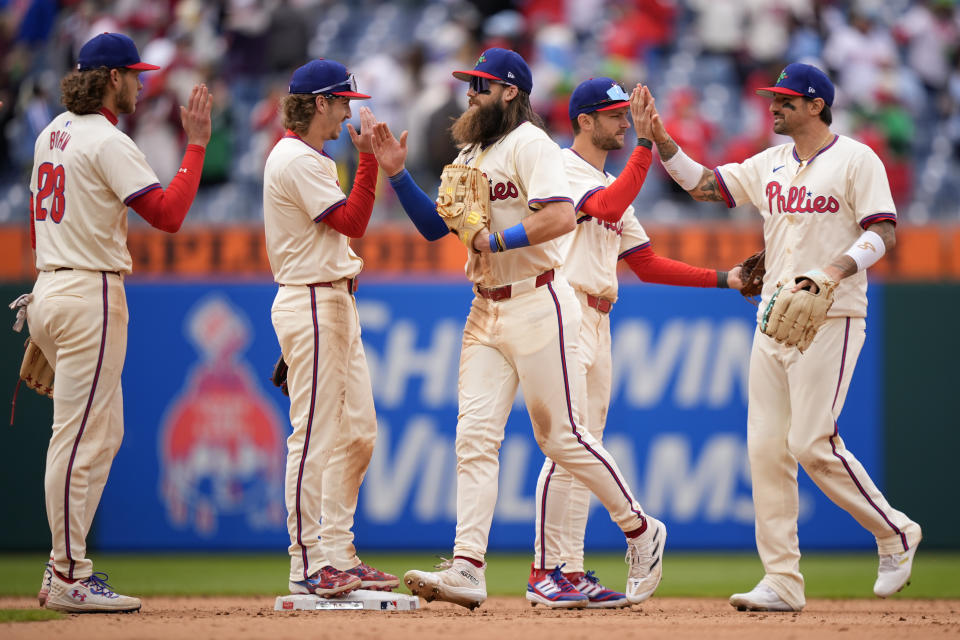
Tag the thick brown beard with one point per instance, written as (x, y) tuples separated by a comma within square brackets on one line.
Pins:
[(480, 125)]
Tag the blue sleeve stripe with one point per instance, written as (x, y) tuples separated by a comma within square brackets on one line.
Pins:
[(878, 217), (137, 194), (530, 203), (577, 206), (639, 247), (328, 210), (727, 198)]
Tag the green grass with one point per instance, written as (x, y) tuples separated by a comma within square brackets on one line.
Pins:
[(828, 575), (28, 615)]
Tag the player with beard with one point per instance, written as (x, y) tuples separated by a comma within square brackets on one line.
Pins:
[(607, 232), (522, 328)]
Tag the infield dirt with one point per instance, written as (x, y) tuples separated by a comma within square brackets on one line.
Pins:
[(501, 618)]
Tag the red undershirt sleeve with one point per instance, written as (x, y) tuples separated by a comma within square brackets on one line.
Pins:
[(650, 267), (352, 218), (608, 204), (165, 210)]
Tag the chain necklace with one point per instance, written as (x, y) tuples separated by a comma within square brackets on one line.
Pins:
[(815, 151)]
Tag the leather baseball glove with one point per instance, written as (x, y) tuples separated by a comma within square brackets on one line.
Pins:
[(794, 318), (752, 270), (35, 371), (279, 376), (464, 201)]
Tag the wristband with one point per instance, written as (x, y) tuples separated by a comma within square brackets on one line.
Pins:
[(497, 243), (722, 280), (868, 248), (645, 142), (684, 171), (515, 237)]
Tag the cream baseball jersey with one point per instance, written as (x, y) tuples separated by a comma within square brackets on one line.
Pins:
[(300, 188), (592, 250), (525, 172), (85, 173), (812, 211)]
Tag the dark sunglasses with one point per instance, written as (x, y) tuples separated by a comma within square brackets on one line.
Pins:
[(482, 85)]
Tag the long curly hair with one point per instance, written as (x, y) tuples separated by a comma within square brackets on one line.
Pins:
[(82, 92), (297, 111)]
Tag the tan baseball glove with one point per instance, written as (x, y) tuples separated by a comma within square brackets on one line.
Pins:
[(794, 318), (464, 201), (35, 371), (752, 270)]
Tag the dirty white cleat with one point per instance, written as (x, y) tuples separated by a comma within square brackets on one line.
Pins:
[(894, 572), (45, 583), (645, 558), (458, 582), (761, 598), (90, 595)]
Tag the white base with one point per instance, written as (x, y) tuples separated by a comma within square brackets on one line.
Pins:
[(359, 600)]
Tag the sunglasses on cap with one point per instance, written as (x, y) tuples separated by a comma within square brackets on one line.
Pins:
[(482, 85), (616, 93), (350, 84)]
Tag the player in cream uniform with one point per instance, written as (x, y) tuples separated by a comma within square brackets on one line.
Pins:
[(522, 327), (607, 231), (86, 174), (826, 205), (308, 222)]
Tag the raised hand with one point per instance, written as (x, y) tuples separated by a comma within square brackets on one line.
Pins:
[(363, 141), (195, 117), (391, 153)]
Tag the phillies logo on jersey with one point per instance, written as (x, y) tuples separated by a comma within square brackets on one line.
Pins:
[(616, 227), (798, 200), (221, 441), (501, 191)]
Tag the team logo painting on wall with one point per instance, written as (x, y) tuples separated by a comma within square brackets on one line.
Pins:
[(221, 442)]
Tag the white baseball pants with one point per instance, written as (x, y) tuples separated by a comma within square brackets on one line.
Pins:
[(794, 403)]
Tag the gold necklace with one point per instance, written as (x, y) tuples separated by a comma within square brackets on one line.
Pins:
[(815, 151)]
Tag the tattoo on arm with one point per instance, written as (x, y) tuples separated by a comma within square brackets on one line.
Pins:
[(667, 149), (708, 190), (845, 265)]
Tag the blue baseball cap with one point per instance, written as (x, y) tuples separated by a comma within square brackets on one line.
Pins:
[(798, 79), (597, 94), (502, 65), (111, 50), (325, 77)]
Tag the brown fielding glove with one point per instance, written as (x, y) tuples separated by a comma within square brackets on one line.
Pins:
[(751, 274), (794, 318), (464, 201), (35, 371), (279, 377)]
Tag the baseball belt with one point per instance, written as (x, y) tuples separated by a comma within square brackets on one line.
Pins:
[(506, 291), (600, 304)]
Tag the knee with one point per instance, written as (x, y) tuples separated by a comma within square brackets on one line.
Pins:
[(476, 448)]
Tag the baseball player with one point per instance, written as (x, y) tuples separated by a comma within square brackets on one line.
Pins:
[(86, 172), (827, 212), (607, 231), (522, 328), (308, 223)]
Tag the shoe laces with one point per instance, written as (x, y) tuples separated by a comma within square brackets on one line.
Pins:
[(890, 562), (561, 580), (97, 583), (444, 564), (590, 577)]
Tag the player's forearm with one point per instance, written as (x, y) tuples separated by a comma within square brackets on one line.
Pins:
[(651, 267), (352, 219), (553, 220), (609, 203), (879, 238), (166, 210), (694, 178), (419, 207)]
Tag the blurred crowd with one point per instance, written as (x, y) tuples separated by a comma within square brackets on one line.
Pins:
[(896, 64)]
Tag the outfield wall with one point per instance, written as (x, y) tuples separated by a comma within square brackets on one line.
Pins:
[(201, 462)]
